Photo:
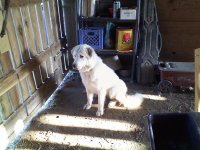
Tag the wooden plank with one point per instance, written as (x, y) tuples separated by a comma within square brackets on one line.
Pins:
[(58, 72), (24, 88), (33, 63), (14, 96), (31, 83), (19, 114), (54, 18), (36, 27), (57, 61), (20, 33), (13, 40), (186, 34), (28, 30), (6, 106), (5, 45), (49, 66), (179, 27), (1, 5), (14, 3), (179, 23), (48, 23), (176, 55), (25, 70), (32, 104), (8, 82), (42, 24), (5, 61), (178, 10), (197, 80), (42, 93), (43, 71)]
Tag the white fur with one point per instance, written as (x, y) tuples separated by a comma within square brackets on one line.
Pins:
[(99, 79)]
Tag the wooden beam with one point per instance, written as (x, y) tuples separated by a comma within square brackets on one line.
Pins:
[(8, 82), (39, 96), (197, 80), (5, 45), (17, 3), (32, 104), (12, 79), (13, 40)]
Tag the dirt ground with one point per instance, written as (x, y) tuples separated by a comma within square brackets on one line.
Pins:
[(65, 125)]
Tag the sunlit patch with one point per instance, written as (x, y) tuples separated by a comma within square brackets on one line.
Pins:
[(154, 97), (3, 137), (87, 122), (83, 141), (19, 126)]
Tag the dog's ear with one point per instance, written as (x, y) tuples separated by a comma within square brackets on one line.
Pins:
[(75, 49), (89, 51)]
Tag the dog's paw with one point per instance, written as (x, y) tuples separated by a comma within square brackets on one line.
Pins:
[(99, 113), (112, 104), (86, 106)]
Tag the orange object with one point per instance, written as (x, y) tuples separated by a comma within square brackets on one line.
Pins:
[(124, 39)]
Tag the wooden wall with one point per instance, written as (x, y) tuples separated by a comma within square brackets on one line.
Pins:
[(180, 28), (197, 80), (29, 58)]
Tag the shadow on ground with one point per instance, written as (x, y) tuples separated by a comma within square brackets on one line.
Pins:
[(65, 125)]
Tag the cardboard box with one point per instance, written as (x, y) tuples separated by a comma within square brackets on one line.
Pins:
[(124, 39), (127, 14)]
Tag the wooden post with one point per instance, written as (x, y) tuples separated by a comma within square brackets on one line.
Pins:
[(197, 80)]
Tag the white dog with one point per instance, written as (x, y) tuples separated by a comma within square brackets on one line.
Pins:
[(99, 79)]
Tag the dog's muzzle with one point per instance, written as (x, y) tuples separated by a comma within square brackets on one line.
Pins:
[(74, 66)]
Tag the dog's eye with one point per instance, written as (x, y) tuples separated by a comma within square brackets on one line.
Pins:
[(81, 56)]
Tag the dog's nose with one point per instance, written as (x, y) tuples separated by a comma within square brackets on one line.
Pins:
[(74, 66)]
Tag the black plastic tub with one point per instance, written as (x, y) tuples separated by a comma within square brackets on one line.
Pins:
[(173, 131)]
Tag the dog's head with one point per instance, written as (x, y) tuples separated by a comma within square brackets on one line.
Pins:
[(84, 57)]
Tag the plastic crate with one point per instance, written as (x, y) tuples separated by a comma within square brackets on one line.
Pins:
[(92, 36)]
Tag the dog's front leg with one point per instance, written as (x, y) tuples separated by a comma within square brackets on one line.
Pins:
[(90, 96), (101, 100)]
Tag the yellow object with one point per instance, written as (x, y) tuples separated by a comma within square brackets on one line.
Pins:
[(124, 39), (4, 42), (197, 80)]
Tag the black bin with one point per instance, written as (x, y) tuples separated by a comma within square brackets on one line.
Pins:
[(173, 131)]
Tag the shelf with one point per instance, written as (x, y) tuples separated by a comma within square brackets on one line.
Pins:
[(101, 19), (112, 52)]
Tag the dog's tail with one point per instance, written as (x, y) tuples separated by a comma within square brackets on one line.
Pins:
[(133, 101)]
